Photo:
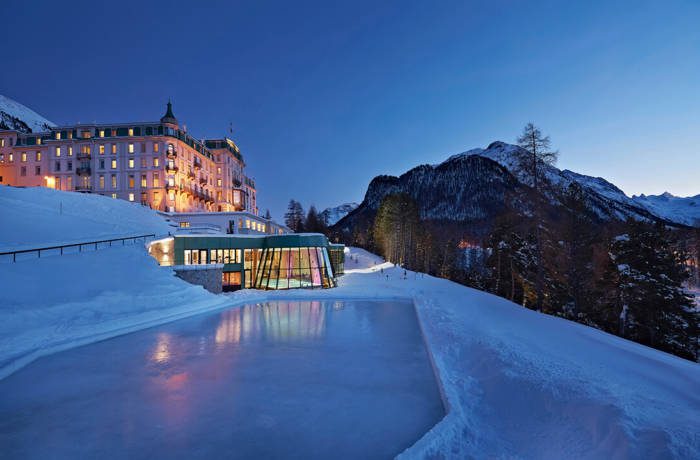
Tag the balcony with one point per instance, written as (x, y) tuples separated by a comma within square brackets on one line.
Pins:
[(83, 170), (197, 164), (237, 183), (84, 156), (83, 188), (172, 154), (203, 180), (171, 168), (170, 188), (190, 175)]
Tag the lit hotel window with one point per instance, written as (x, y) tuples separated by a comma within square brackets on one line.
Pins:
[(131, 133), (114, 164), (131, 148), (23, 157), (114, 149), (131, 197), (11, 157), (131, 181), (102, 149), (156, 180), (156, 161), (156, 147), (38, 141), (114, 195), (171, 197), (70, 151), (58, 136), (143, 181), (58, 151), (143, 162), (38, 156), (70, 134), (102, 181), (85, 134), (114, 181), (102, 133), (131, 163)]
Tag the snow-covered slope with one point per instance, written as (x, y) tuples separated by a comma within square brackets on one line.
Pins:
[(56, 302), (685, 210), (14, 115), (38, 216), (333, 215)]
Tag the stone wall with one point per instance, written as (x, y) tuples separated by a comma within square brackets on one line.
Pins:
[(207, 276)]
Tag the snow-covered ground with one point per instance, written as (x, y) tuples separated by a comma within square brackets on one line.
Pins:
[(685, 210), (517, 384), (58, 302)]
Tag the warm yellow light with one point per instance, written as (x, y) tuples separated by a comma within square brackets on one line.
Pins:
[(50, 181)]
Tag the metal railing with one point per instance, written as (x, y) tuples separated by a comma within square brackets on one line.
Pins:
[(80, 246)]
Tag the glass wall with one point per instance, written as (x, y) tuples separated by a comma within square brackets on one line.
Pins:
[(292, 268)]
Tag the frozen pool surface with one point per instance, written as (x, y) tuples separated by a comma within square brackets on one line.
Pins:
[(292, 379)]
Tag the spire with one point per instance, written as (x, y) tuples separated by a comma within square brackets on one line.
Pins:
[(169, 117)]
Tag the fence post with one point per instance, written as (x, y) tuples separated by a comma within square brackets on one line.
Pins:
[(61, 250), (39, 251), (95, 246), (14, 257)]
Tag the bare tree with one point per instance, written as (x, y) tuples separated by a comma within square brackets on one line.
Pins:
[(538, 147)]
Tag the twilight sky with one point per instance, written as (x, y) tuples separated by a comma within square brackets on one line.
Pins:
[(324, 97)]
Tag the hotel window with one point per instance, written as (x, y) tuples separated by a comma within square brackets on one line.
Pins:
[(156, 147), (143, 163), (156, 161), (114, 195), (131, 163), (114, 164), (156, 180), (70, 166), (114, 133), (218, 182), (143, 181), (70, 134), (70, 151), (131, 181), (69, 183), (57, 166), (23, 171), (171, 196), (102, 181), (131, 133), (171, 182), (102, 149), (23, 157), (38, 141), (85, 134), (38, 156), (58, 136), (144, 198), (2, 157), (131, 197), (37, 170), (85, 149), (102, 134), (58, 151), (143, 147), (218, 170), (131, 148), (11, 157), (114, 181), (102, 164), (114, 149)]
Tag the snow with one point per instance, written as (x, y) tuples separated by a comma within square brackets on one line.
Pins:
[(333, 215), (39, 216), (685, 210), (516, 383), (10, 108)]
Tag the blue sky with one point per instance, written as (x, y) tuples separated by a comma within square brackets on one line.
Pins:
[(325, 96)]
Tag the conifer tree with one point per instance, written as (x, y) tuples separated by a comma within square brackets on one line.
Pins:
[(654, 307), (294, 217)]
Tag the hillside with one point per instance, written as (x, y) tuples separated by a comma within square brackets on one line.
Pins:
[(58, 302), (685, 210), (14, 115)]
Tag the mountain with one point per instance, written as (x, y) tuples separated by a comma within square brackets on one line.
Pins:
[(474, 187), (685, 210), (14, 115), (333, 215)]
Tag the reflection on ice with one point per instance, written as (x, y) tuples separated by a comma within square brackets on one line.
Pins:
[(287, 379)]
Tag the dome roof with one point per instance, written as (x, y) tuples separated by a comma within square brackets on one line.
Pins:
[(169, 117)]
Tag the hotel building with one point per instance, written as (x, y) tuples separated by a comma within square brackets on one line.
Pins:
[(157, 164)]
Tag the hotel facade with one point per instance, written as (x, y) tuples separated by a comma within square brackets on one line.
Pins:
[(157, 164)]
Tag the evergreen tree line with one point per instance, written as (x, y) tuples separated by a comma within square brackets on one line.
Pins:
[(310, 222), (627, 278)]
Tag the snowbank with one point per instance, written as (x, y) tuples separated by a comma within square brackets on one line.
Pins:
[(38, 216)]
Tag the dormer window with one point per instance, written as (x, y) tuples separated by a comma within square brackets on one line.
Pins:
[(58, 136)]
